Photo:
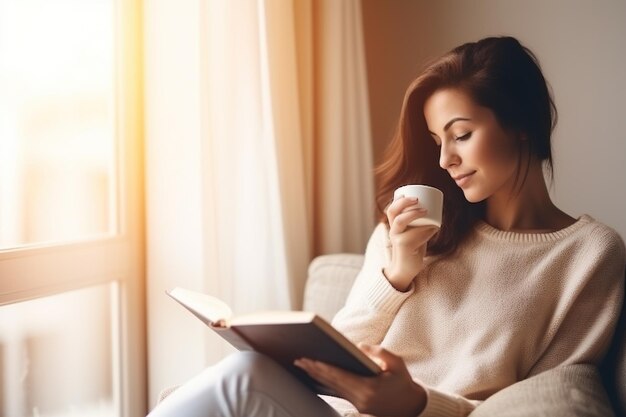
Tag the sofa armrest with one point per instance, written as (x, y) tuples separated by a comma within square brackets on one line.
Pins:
[(564, 391), (329, 280)]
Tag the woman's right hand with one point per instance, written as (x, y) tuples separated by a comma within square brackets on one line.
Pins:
[(408, 243)]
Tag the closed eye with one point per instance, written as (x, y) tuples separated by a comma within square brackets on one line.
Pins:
[(464, 137)]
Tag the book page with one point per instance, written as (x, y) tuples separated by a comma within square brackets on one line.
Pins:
[(273, 317), (212, 311)]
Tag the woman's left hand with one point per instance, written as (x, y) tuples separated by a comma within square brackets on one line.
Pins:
[(391, 393)]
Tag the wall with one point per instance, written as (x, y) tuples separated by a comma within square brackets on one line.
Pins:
[(580, 46)]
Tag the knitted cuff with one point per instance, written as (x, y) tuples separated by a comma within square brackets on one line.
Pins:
[(439, 404), (382, 296)]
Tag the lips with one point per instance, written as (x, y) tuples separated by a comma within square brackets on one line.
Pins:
[(463, 179)]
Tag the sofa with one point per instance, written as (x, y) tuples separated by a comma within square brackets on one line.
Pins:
[(568, 391), (575, 390)]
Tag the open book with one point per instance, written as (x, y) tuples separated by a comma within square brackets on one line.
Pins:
[(284, 336)]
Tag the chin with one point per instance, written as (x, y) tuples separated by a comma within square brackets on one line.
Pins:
[(473, 197)]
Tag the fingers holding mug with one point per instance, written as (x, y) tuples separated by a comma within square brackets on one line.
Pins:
[(400, 221), (429, 198), (401, 208)]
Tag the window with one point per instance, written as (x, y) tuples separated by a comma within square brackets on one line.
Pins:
[(57, 129), (71, 255)]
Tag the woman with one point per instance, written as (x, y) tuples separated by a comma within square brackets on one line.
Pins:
[(509, 287)]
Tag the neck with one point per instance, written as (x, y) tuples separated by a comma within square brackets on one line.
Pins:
[(527, 209)]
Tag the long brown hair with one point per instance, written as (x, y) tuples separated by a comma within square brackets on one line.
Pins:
[(499, 74)]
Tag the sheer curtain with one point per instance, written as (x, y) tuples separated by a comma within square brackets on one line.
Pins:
[(286, 146), (258, 158)]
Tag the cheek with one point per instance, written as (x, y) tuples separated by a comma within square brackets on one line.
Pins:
[(499, 155)]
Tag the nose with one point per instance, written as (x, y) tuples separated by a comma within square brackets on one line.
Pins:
[(447, 156)]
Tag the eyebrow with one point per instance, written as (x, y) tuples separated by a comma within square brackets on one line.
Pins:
[(450, 123)]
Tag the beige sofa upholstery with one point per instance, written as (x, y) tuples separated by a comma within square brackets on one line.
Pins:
[(577, 390), (329, 281)]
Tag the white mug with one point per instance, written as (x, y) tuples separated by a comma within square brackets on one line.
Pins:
[(428, 197)]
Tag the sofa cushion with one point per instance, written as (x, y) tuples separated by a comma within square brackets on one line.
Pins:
[(565, 391), (329, 281)]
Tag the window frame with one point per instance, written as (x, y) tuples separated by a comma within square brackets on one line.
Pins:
[(34, 271)]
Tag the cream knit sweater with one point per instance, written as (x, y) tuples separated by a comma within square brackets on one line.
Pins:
[(504, 307)]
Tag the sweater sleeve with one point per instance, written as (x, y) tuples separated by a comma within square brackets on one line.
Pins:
[(442, 404), (585, 319), (371, 307), (373, 302)]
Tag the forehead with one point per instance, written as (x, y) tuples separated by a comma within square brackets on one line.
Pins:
[(448, 103)]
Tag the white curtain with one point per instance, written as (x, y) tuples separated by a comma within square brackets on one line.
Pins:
[(344, 198), (286, 147)]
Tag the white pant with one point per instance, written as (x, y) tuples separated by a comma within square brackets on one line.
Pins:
[(245, 384)]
